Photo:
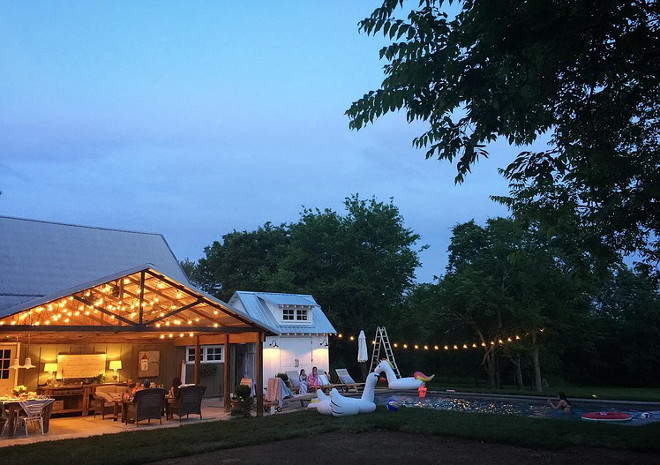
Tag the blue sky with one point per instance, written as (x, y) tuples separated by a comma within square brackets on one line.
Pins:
[(194, 118)]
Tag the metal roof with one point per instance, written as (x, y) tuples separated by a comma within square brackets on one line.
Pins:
[(39, 258), (255, 305)]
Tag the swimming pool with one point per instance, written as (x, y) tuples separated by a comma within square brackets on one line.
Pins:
[(526, 407)]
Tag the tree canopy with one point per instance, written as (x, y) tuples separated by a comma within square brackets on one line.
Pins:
[(357, 265), (581, 74)]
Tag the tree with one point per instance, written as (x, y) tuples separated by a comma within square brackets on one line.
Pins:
[(357, 265), (505, 279), (583, 74), (244, 260)]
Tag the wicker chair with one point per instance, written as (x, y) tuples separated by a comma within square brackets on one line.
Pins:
[(147, 404), (187, 401)]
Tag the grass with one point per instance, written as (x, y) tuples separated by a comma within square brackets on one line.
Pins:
[(145, 446), (576, 392)]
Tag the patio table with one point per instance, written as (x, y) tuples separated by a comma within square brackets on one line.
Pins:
[(13, 405)]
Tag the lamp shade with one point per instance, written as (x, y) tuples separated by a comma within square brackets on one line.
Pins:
[(50, 367), (115, 365)]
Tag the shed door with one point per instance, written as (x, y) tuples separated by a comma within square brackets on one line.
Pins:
[(7, 375), (296, 353)]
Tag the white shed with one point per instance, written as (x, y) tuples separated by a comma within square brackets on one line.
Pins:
[(302, 342)]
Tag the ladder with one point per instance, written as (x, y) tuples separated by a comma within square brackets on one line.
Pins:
[(383, 339)]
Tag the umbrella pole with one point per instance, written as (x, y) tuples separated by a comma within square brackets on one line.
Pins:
[(364, 369)]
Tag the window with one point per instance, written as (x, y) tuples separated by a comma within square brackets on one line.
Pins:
[(295, 315), (209, 354), (5, 360)]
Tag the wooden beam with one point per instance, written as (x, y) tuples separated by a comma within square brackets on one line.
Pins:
[(141, 302), (197, 360), (103, 310), (260, 374), (210, 302), (173, 312), (225, 387)]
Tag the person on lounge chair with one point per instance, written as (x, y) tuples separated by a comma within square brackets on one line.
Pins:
[(303, 382), (313, 381)]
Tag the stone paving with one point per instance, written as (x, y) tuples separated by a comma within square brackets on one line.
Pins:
[(78, 427)]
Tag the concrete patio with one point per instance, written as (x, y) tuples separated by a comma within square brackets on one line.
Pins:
[(78, 427)]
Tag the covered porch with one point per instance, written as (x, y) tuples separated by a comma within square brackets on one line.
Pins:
[(140, 320)]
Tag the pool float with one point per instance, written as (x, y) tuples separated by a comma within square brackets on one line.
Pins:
[(344, 406), (321, 403), (607, 416), (401, 383)]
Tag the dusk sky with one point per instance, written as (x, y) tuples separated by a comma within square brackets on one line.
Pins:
[(193, 119)]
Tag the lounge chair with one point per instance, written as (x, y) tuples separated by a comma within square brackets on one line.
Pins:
[(147, 404), (188, 400), (294, 380), (346, 382), (278, 395)]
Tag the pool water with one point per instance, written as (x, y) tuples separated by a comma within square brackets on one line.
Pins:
[(526, 408)]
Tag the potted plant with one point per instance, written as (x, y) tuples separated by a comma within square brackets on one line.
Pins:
[(241, 401)]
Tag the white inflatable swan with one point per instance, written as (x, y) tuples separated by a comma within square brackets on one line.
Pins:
[(401, 383), (343, 406)]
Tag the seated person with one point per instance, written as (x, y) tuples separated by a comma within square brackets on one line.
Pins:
[(313, 380), (303, 382), (174, 389)]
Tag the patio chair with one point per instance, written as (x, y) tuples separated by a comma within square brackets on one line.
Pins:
[(188, 400), (277, 395), (147, 404), (294, 380), (35, 412), (106, 397), (346, 382), (3, 418), (249, 383)]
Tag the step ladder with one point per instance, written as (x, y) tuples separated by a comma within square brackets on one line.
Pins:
[(382, 339)]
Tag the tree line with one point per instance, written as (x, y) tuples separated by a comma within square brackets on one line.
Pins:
[(583, 321)]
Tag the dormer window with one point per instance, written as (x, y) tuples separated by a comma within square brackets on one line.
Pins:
[(288, 314), (296, 315)]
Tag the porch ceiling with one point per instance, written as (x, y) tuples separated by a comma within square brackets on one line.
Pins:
[(142, 303)]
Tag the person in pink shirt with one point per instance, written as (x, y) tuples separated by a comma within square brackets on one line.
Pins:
[(313, 380)]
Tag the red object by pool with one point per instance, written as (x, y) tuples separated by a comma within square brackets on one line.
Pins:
[(607, 416)]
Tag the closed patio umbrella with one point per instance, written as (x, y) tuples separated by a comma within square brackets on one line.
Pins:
[(362, 356)]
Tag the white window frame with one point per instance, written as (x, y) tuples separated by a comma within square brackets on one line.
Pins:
[(190, 350), (297, 311)]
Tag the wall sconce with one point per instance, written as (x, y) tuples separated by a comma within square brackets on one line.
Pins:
[(115, 365), (274, 345), (324, 343), (50, 368)]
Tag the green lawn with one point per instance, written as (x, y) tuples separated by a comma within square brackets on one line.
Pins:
[(144, 446), (576, 392)]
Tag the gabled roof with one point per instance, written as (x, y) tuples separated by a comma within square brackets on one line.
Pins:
[(39, 258), (255, 305), (141, 300)]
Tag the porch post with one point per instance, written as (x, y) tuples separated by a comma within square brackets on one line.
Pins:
[(225, 393), (197, 360), (260, 374)]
